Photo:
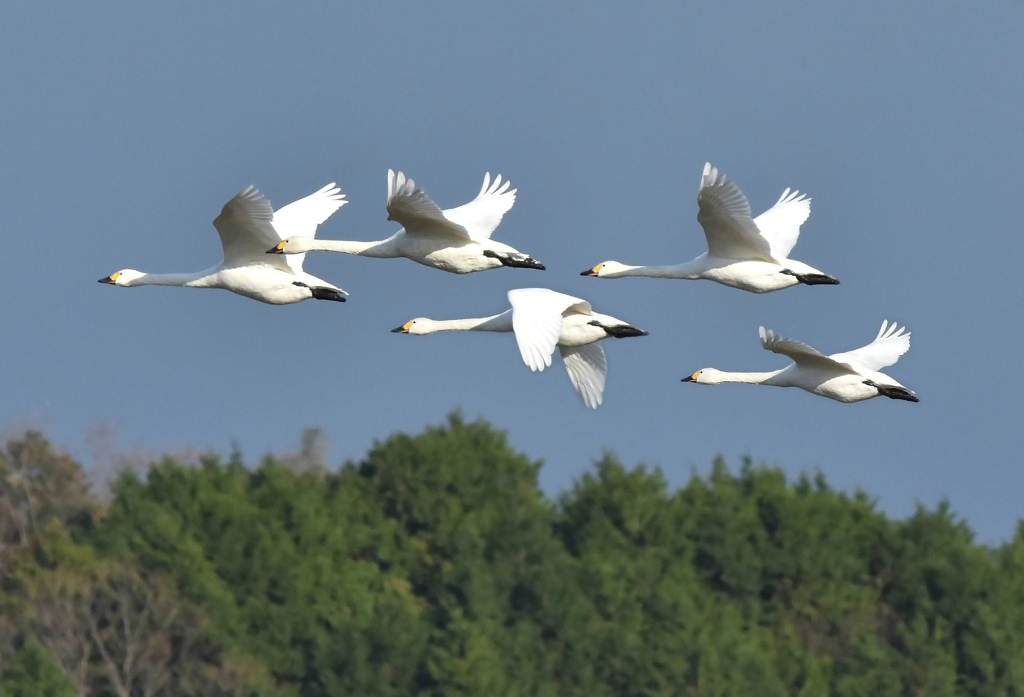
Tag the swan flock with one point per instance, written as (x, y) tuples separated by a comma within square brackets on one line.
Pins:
[(263, 252)]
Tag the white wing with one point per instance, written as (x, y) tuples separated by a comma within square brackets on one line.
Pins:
[(483, 214), (588, 369), (410, 206), (886, 349), (724, 213), (301, 218), (537, 322), (246, 231), (780, 224), (800, 352)]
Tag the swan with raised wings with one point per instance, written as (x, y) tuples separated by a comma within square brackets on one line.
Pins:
[(457, 240), (541, 320), (845, 377), (246, 225), (743, 252)]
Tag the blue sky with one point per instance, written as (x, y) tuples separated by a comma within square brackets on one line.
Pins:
[(127, 126)]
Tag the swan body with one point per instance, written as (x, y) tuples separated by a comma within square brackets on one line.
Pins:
[(743, 252), (457, 240), (246, 225), (852, 376), (542, 319)]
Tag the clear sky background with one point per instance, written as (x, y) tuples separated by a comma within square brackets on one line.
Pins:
[(126, 127)]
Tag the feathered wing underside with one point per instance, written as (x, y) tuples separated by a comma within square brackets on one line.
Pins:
[(588, 369), (800, 352), (724, 213), (481, 216), (886, 349), (537, 322), (410, 206), (301, 218), (246, 230), (780, 224)]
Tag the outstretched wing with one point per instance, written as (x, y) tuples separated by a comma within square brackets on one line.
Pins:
[(537, 322), (246, 229), (724, 213), (483, 214), (800, 352), (410, 206), (301, 218), (886, 349), (780, 224), (588, 368)]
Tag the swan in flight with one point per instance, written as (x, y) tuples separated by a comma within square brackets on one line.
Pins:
[(844, 377), (457, 240), (246, 225), (542, 319), (743, 252)]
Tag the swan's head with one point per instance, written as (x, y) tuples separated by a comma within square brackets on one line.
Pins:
[(706, 376), (420, 325), (605, 269), (124, 277), (291, 245)]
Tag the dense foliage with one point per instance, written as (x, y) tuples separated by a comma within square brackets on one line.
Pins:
[(435, 566)]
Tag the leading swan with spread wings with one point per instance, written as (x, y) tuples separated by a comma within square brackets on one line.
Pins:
[(246, 225)]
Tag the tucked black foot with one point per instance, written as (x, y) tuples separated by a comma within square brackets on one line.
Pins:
[(893, 392), (327, 294), (621, 331), (322, 293), (813, 279), (515, 262)]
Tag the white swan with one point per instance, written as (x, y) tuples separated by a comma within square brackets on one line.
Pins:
[(745, 253), (844, 377), (541, 320), (457, 240), (246, 225)]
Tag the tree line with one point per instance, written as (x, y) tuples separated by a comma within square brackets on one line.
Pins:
[(436, 566)]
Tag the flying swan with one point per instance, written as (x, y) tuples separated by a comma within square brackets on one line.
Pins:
[(457, 240), (542, 319), (745, 253), (845, 377), (246, 225)]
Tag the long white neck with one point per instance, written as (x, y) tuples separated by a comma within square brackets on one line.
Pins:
[(761, 378), (377, 248), (689, 269), (494, 323), (197, 279)]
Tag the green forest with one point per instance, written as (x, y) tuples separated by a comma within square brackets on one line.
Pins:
[(437, 566)]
